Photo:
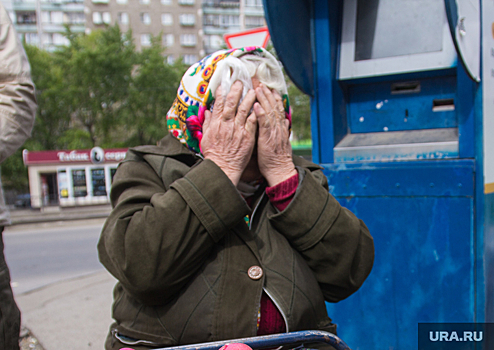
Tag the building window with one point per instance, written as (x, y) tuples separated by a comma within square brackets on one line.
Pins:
[(213, 41), (54, 17), (106, 17), (170, 59), (145, 39), (123, 18), (166, 2), (97, 18), (251, 21), (76, 17), (187, 19), (188, 40), (168, 40), (145, 18), (212, 20), (122, 2), (26, 17), (190, 59), (144, 2), (31, 38), (166, 19), (229, 20), (59, 39), (253, 3), (100, 1), (186, 2)]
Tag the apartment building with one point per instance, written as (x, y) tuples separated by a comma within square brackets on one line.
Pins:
[(229, 16), (178, 22), (42, 22)]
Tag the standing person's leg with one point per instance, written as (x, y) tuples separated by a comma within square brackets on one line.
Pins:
[(10, 316)]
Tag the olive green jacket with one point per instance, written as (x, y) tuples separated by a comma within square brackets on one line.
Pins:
[(178, 243)]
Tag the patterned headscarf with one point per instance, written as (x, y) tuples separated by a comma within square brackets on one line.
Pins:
[(194, 96)]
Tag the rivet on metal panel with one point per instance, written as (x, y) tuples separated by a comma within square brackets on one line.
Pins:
[(460, 185), (364, 186), (432, 185), (397, 185)]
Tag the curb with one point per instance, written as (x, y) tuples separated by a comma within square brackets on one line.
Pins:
[(37, 220)]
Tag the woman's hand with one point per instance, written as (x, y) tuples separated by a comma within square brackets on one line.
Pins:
[(229, 134), (274, 151)]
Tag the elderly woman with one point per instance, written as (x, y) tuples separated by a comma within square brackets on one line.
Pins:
[(218, 232)]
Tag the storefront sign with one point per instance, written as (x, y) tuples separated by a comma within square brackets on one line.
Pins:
[(96, 155)]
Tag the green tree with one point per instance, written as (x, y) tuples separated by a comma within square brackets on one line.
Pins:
[(97, 72), (300, 104), (152, 91), (53, 114)]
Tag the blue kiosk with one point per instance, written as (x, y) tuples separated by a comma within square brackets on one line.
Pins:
[(402, 97)]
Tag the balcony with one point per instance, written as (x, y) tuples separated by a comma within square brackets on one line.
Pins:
[(221, 4)]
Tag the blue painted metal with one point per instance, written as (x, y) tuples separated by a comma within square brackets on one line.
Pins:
[(273, 341), (432, 224), (420, 215), (489, 257), (374, 107), (465, 106), (482, 242), (329, 95), (402, 179), (285, 37)]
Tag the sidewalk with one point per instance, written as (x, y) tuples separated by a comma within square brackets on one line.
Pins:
[(74, 314), (50, 214)]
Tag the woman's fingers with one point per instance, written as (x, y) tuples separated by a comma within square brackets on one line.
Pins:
[(207, 120), (251, 123), (232, 100), (245, 107), (269, 94)]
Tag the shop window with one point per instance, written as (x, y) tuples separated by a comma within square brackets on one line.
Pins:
[(112, 173), (63, 185), (98, 181), (79, 182)]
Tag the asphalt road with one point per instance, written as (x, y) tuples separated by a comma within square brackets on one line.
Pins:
[(41, 254)]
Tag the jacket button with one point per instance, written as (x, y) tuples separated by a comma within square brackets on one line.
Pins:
[(255, 272)]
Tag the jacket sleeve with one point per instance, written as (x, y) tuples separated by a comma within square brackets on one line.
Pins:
[(335, 243), (155, 239), (17, 99)]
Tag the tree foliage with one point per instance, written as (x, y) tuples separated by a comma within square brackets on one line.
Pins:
[(100, 91), (152, 92), (97, 91)]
